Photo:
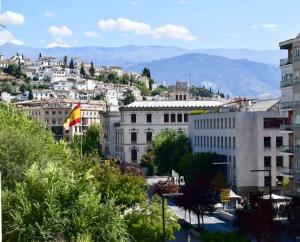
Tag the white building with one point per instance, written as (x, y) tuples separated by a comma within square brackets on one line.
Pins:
[(249, 140), (111, 121), (142, 120)]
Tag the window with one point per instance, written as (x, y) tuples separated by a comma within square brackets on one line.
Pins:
[(149, 118), (229, 123), (233, 123), (225, 123), (279, 141), (267, 161), (225, 142), (53, 112), (279, 180), (149, 137), (229, 143), (218, 142), (186, 118), (267, 181), (198, 139), (274, 123), (279, 161), (179, 118), (47, 112), (134, 155), (133, 137), (221, 142), (133, 118), (166, 118), (267, 142), (173, 118), (233, 142)]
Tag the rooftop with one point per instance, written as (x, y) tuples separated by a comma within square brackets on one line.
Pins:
[(265, 105), (174, 104)]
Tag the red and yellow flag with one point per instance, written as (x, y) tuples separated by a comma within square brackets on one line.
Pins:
[(73, 118)]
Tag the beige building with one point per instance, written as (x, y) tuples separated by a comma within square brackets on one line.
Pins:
[(290, 101), (142, 120), (53, 113)]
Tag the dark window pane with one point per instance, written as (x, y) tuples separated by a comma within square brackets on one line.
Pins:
[(166, 118), (279, 141), (267, 142), (149, 118), (274, 123), (133, 137), (134, 155), (149, 137), (173, 118), (186, 118), (267, 161), (133, 118), (179, 118), (279, 161)]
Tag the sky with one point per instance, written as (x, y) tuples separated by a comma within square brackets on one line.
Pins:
[(193, 24)]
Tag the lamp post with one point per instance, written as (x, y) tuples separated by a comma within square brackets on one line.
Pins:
[(270, 176), (163, 196)]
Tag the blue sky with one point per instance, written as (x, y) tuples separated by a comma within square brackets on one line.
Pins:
[(253, 24)]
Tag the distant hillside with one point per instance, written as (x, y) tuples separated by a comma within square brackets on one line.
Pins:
[(234, 77), (127, 55)]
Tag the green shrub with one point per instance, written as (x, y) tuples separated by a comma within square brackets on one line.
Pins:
[(224, 237)]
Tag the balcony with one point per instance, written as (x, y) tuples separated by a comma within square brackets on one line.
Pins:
[(296, 58), (286, 105), (286, 61), (289, 105), (286, 83), (296, 80), (287, 149), (286, 127), (287, 172)]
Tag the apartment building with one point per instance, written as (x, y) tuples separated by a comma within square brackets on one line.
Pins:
[(250, 141), (290, 95), (142, 120), (53, 112)]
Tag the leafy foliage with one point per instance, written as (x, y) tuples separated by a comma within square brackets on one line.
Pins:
[(224, 237), (128, 97), (165, 187), (144, 224), (168, 147)]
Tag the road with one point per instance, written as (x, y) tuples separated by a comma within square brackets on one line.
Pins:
[(211, 223)]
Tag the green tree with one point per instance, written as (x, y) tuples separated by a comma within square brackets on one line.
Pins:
[(128, 97), (82, 71), (30, 95), (143, 88), (169, 147), (112, 77), (71, 65), (65, 61), (92, 69), (7, 87), (146, 72), (90, 140), (159, 90), (125, 79), (144, 223)]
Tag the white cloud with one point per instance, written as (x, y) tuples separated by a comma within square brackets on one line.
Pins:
[(124, 25), (62, 31), (91, 34), (7, 37), (268, 27), (11, 18), (140, 28), (174, 32), (50, 14), (55, 44)]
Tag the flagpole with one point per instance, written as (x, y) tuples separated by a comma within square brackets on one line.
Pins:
[(81, 135)]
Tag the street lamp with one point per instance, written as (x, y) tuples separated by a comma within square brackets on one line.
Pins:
[(270, 176), (163, 196)]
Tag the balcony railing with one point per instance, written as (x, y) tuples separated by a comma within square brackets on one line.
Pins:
[(287, 149), (286, 127), (286, 83), (296, 80), (286, 105), (289, 105), (286, 61), (285, 171)]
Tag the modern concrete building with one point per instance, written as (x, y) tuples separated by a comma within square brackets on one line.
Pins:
[(249, 140), (290, 101), (53, 113), (142, 120)]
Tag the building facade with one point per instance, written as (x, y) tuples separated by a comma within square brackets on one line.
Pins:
[(249, 140), (142, 120), (290, 95), (53, 113)]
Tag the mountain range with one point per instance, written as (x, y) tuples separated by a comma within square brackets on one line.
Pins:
[(233, 71)]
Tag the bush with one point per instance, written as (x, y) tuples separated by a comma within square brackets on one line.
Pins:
[(224, 237)]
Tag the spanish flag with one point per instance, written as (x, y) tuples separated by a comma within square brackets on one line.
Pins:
[(73, 118)]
